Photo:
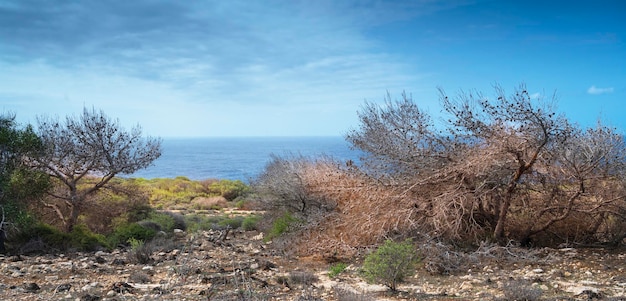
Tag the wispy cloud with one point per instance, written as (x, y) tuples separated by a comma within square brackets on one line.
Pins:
[(595, 90)]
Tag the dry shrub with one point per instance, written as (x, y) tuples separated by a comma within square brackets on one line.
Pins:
[(207, 203), (365, 213)]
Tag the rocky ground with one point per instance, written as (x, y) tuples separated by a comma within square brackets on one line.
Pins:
[(240, 266)]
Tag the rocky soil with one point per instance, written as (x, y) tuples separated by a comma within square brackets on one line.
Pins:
[(240, 266)]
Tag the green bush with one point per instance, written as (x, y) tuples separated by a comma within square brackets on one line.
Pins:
[(197, 222), (281, 225), (228, 189), (233, 223), (390, 263), (250, 223), (165, 221), (122, 234), (336, 269), (83, 239)]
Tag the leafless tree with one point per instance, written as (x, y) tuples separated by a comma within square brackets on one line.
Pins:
[(491, 158), (84, 153)]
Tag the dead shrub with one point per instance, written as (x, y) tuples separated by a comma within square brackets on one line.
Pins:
[(209, 203)]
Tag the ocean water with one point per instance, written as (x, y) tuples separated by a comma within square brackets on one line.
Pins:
[(237, 158)]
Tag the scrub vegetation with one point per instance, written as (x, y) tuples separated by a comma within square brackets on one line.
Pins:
[(498, 171)]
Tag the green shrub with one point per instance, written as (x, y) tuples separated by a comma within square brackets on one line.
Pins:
[(228, 189), (197, 222), (233, 223), (281, 225), (123, 233), (250, 223), (391, 263), (164, 220), (336, 269), (51, 236), (83, 239)]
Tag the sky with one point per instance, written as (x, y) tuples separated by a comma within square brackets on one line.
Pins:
[(301, 67)]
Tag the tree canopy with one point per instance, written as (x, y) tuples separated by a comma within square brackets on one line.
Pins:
[(84, 153)]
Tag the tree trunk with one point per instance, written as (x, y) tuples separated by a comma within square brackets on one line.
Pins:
[(75, 204), (73, 218), (498, 232)]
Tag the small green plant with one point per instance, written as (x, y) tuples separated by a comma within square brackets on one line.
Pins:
[(250, 223), (280, 226), (391, 263), (140, 252), (336, 269)]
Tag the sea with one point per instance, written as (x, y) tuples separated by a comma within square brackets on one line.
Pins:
[(237, 158)]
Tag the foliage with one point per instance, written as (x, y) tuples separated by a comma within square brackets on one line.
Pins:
[(281, 225), (391, 263), (90, 144), (336, 269), (124, 233), (493, 164), (81, 238), (198, 222), (18, 183), (229, 189), (250, 223), (167, 221), (85, 240)]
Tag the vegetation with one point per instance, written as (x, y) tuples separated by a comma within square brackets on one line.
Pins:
[(281, 225), (91, 144), (494, 164), (391, 263), (18, 183), (336, 269)]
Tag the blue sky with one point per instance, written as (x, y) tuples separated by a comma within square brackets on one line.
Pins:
[(292, 68)]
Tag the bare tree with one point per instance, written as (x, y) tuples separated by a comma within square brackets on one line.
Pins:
[(84, 153), (493, 157)]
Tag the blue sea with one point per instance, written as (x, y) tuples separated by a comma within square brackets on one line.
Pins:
[(237, 158)]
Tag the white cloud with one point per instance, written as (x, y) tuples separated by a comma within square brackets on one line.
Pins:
[(595, 90)]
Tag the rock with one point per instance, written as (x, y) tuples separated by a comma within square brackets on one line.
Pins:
[(538, 271), (121, 287), (63, 288), (31, 287), (51, 278), (89, 297), (118, 261)]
